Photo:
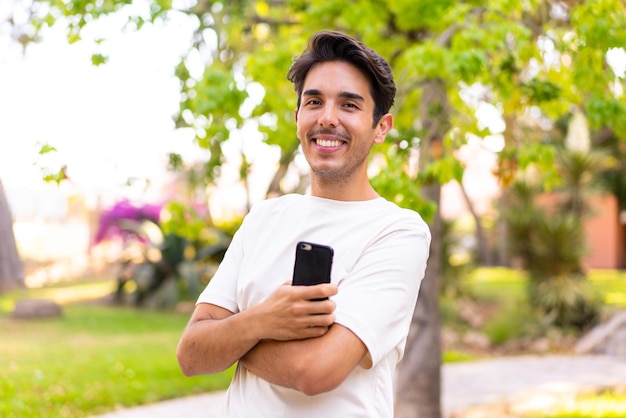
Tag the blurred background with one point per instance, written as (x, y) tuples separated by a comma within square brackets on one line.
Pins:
[(135, 136)]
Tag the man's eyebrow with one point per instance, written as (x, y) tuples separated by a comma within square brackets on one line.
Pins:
[(312, 92), (353, 96), (344, 94)]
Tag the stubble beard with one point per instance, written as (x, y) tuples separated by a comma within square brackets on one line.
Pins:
[(341, 175)]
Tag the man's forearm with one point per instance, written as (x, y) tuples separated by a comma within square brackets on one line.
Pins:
[(213, 345), (312, 366), (274, 361)]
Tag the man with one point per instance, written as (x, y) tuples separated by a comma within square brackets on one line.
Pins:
[(332, 358)]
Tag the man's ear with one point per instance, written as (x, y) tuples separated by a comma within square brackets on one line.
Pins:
[(384, 125), (295, 114)]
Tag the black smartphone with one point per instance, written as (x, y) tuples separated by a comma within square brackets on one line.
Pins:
[(313, 264)]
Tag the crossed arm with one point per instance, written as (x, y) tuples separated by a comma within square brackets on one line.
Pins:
[(287, 340)]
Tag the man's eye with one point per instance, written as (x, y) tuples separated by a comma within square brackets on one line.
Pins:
[(351, 105), (313, 102)]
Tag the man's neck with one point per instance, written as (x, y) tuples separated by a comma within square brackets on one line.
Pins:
[(342, 191)]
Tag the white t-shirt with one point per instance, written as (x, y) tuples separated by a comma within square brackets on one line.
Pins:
[(380, 253)]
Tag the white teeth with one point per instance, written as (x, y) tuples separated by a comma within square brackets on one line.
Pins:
[(328, 143)]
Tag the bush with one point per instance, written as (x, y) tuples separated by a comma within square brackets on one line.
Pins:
[(567, 301), (550, 246)]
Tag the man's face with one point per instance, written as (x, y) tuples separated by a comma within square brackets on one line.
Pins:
[(335, 121)]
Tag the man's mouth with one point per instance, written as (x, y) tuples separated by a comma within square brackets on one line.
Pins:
[(328, 143), (328, 138)]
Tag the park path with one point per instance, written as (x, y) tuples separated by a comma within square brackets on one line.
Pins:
[(464, 385)]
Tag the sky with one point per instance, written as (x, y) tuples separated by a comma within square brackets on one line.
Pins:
[(107, 123)]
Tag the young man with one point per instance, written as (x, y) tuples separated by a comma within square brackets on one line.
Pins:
[(336, 357)]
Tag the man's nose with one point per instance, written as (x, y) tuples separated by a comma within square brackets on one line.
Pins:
[(329, 116)]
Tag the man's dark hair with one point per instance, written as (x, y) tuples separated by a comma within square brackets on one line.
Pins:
[(325, 46)]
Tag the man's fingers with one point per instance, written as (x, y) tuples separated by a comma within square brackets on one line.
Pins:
[(322, 320), (318, 291)]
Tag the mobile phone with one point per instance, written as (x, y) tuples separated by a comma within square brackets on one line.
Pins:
[(313, 264)]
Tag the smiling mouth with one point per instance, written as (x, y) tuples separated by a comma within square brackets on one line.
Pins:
[(328, 143), (328, 138)]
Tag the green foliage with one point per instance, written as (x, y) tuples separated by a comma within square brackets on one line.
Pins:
[(506, 293), (514, 321), (50, 175), (186, 222), (443, 170), (611, 288), (607, 111), (468, 65), (509, 286), (552, 251), (546, 224), (99, 59), (46, 149), (56, 177), (168, 256), (457, 262), (600, 23), (498, 283), (502, 45), (212, 103), (520, 218), (451, 356), (412, 16), (399, 186), (538, 155), (557, 243), (426, 58), (541, 91), (566, 301), (579, 178), (551, 247)]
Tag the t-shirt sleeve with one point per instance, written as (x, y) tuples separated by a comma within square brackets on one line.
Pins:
[(222, 288), (377, 297)]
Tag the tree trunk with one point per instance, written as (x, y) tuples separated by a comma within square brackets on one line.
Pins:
[(418, 386), (286, 157), (11, 268), (485, 257), (418, 382), (506, 173), (504, 256)]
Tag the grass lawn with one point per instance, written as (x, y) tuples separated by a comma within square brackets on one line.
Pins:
[(509, 285), (609, 404), (91, 360)]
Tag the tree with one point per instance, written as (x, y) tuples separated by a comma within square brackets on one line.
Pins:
[(11, 268), (532, 61)]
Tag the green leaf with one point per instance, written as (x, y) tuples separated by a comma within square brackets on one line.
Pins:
[(46, 148), (99, 59), (56, 177)]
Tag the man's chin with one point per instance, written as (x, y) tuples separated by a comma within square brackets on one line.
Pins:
[(329, 173)]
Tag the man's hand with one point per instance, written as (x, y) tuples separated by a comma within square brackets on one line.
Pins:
[(290, 314)]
